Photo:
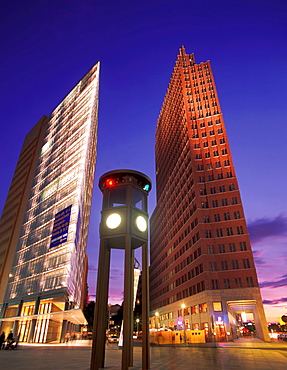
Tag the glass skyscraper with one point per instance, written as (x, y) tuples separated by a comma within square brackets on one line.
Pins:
[(45, 281)]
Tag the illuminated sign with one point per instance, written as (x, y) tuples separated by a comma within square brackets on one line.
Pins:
[(61, 226)]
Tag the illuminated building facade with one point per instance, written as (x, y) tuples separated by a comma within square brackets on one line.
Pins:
[(202, 273), (44, 225)]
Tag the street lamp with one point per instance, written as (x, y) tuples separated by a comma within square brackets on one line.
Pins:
[(183, 309), (156, 320)]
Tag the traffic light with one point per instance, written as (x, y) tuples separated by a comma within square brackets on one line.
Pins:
[(110, 183), (146, 187), (139, 224)]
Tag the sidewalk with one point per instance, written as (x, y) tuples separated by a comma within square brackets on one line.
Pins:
[(241, 354)]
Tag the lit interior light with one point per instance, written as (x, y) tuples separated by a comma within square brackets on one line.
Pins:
[(243, 316), (113, 221), (141, 223)]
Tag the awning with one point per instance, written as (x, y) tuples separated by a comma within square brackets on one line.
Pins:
[(74, 316)]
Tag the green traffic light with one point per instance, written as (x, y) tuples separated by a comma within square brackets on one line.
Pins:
[(146, 187)]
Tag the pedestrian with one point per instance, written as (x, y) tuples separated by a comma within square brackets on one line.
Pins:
[(16, 340), (67, 336), (10, 340), (173, 340), (2, 340)]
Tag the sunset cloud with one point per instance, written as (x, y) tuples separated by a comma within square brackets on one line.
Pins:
[(275, 284), (275, 301), (262, 228), (258, 257)]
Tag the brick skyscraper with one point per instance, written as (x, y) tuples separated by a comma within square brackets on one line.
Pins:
[(201, 257)]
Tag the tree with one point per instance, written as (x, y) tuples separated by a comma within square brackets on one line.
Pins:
[(89, 312)]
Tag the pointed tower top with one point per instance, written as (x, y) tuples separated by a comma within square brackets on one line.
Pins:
[(182, 50)]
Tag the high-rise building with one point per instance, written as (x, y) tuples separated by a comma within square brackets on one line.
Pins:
[(44, 224), (202, 272)]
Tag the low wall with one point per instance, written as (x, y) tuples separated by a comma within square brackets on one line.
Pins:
[(177, 337)]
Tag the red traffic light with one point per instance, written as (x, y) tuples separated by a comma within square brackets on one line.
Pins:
[(110, 183)]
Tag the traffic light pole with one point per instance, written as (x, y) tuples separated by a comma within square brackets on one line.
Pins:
[(100, 318), (124, 224), (127, 352)]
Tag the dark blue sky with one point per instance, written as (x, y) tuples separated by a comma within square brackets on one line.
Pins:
[(47, 46)]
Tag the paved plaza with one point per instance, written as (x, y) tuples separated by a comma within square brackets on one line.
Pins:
[(235, 355)]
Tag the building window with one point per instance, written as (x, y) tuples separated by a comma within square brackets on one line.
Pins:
[(198, 156), (196, 145), (228, 174), (215, 153), (240, 230), (194, 310), (210, 177), (246, 263), (217, 218), (202, 191), (205, 144), (213, 190), (224, 151), (217, 164), (227, 216), (201, 179), (219, 233), (210, 249), (220, 176), (209, 165), (208, 234), (204, 205), (229, 231), (224, 202), (213, 142), (217, 306), (214, 203), (220, 131), (204, 134), (203, 307), (232, 247), (214, 284), (226, 162), (212, 266), (221, 248), (231, 187), (211, 133), (238, 282), (243, 246), (236, 214), (199, 167), (224, 265), (234, 200), (249, 282), (206, 219), (226, 283), (222, 141), (202, 124), (235, 264), (217, 121), (222, 188), (207, 155)]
